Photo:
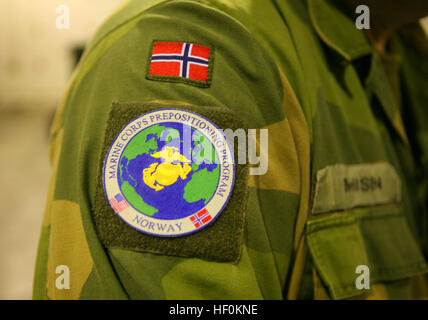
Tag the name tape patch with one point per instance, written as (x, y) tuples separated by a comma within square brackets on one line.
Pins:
[(169, 173), (341, 187)]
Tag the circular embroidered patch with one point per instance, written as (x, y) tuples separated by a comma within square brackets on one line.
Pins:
[(169, 173)]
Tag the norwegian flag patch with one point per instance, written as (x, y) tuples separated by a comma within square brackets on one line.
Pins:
[(201, 218), (181, 62)]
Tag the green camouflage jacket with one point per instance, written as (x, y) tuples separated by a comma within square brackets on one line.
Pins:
[(346, 184)]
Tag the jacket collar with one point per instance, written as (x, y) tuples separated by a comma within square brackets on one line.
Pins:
[(337, 30)]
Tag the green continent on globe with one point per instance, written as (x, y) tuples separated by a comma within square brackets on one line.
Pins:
[(203, 178), (137, 146), (136, 200), (202, 185)]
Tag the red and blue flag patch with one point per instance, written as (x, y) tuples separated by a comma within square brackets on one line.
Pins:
[(181, 62), (201, 218), (118, 203)]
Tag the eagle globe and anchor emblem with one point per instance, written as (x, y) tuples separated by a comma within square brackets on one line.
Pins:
[(169, 173), (158, 176)]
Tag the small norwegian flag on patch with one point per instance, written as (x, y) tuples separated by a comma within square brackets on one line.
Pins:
[(179, 59), (201, 218), (118, 203)]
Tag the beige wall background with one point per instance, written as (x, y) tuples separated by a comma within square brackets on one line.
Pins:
[(35, 59), (35, 64), (425, 24)]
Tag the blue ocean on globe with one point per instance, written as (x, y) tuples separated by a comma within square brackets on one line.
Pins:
[(182, 198)]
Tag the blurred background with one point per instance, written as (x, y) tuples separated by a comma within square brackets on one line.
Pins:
[(36, 61)]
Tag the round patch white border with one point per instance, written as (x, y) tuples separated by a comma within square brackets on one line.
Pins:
[(164, 227)]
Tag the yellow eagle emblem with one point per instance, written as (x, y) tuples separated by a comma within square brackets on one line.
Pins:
[(174, 165)]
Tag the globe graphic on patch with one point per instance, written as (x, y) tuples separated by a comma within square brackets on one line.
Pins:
[(163, 178)]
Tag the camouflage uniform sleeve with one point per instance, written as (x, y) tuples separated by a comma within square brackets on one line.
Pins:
[(244, 81)]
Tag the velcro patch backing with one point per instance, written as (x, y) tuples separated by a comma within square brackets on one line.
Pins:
[(220, 241)]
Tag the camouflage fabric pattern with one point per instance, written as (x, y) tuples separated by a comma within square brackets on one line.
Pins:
[(326, 99)]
